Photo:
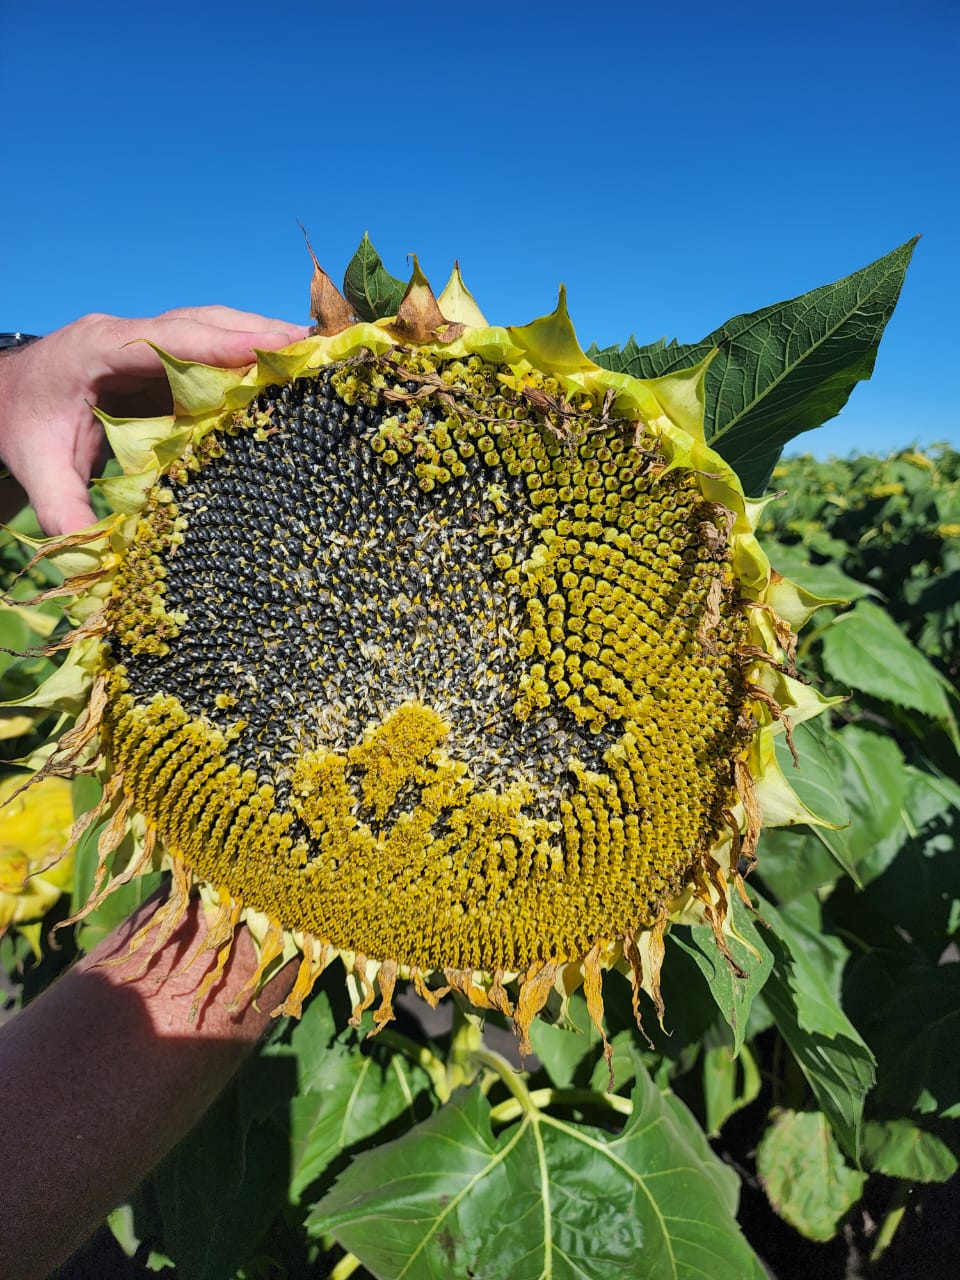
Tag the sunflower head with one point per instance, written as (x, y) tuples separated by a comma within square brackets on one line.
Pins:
[(431, 644)]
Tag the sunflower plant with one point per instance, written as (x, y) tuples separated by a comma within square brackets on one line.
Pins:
[(446, 657)]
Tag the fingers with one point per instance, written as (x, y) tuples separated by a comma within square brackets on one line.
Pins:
[(59, 498), (212, 343), (48, 436), (55, 469), (123, 349), (228, 318)]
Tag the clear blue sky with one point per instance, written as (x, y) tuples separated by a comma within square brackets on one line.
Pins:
[(673, 165)]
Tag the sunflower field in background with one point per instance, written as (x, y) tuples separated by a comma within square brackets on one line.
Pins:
[(737, 1056)]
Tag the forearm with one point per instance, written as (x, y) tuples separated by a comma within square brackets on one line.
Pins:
[(101, 1077)]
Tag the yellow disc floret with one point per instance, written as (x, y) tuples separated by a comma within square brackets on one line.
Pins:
[(473, 721)]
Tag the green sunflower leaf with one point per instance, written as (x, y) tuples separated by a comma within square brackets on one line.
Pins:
[(831, 1053), (571, 1053), (215, 1195), (15, 637), (901, 1149), (804, 1173), (915, 885), (542, 1197), (793, 861), (866, 650), (369, 287), (733, 994), (911, 1016), (871, 774), (783, 370), (825, 580), (564, 1051), (347, 1098), (730, 1082), (814, 779)]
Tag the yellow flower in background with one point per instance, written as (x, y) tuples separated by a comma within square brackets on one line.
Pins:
[(35, 823), (433, 645)]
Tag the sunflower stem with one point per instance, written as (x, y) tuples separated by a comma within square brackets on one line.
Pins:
[(466, 1038), (345, 1267), (891, 1221), (422, 1056), (512, 1109), (510, 1077), (806, 644), (487, 1081)]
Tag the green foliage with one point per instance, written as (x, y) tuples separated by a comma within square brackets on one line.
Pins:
[(813, 776), (345, 1097), (804, 1173), (891, 526), (314, 1097), (885, 533), (827, 1047), (733, 990), (545, 1196), (123, 901), (783, 370), (902, 1149), (866, 651), (911, 1014), (828, 1074), (731, 1081), (369, 288)]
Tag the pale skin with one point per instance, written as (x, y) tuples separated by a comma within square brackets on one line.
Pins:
[(103, 1073), (107, 1069), (49, 438)]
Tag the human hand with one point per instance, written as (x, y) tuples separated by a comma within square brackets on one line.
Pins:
[(49, 437)]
